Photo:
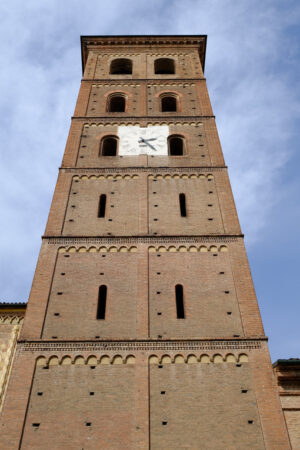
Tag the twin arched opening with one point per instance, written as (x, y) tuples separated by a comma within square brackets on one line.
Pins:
[(109, 145), (123, 66)]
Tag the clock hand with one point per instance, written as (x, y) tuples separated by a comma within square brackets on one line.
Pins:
[(145, 141)]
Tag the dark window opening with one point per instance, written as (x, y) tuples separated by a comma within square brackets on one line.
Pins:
[(109, 146), (182, 204), (179, 301), (121, 66), (175, 146), (168, 104), (101, 302), (164, 66), (102, 205), (116, 103)]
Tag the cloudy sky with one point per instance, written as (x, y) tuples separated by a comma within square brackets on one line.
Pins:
[(252, 70)]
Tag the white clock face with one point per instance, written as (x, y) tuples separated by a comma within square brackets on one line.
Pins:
[(136, 140)]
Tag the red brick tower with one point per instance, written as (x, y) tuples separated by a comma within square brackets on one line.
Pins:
[(142, 328)]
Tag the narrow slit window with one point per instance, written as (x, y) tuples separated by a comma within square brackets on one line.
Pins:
[(102, 302), (102, 205), (179, 301), (182, 203)]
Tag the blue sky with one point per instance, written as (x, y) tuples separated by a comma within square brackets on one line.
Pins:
[(252, 70)]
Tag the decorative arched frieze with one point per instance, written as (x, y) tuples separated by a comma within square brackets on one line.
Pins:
[(102, 177), (185, 248), (101, 249), (80, 360)]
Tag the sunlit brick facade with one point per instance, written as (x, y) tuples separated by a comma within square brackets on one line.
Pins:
[(142, 328)]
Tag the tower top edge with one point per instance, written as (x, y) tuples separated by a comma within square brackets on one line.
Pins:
[(108, 41)]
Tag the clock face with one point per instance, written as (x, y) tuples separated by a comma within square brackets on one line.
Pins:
[(136, 140)]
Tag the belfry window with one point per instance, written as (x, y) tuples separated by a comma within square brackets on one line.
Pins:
[(121, 66), (116, 103), (179, 301), (182, 205), (102, 206), (101, 302), (175, 144), (164, 66), (108, 146), (168, 103)]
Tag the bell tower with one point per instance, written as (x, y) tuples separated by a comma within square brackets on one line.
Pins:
[(142, 328)]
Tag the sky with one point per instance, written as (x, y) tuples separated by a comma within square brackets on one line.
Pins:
[(252, 71)]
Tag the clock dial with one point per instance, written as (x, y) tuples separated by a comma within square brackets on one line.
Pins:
[(151, 140)]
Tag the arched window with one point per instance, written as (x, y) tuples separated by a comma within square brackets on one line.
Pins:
[(121, 66), (176, 145), (164, 66), (108, 146), (179, 301), (168, 103), (116, 103)]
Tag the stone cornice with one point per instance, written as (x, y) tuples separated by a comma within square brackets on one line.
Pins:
[(144, 345), (160, 81), (69, 240), (139, 169), (139, 119), (166, 41)]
